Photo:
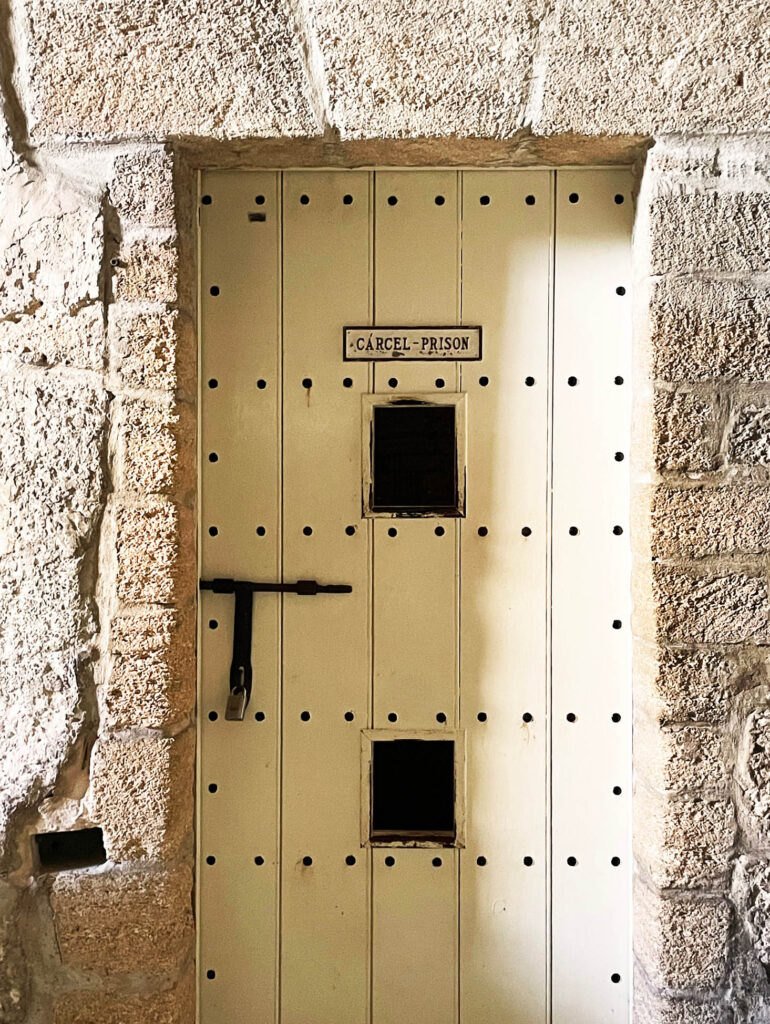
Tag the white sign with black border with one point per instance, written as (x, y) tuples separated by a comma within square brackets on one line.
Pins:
[(426, 343)]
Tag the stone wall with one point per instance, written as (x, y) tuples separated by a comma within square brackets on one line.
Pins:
[(105, 107)]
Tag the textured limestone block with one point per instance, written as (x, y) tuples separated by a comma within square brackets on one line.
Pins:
[(650, 1008), (713, 231), (687, 686), (120, 922), (652, 67), (751, 889), (728, 607), (146, 271), (754, 777), (685, 432), (401, 69), (145, 347), (151, 439), (683, 758), (13, 967), (681, 943), (749, 438), (75, 338), (710, 520), (51, 476), (684, 843), (176, 1006), (152, 682), (147, 548), (142, 795), (142, 188), (224, 68), (39, 707), (709, 329)]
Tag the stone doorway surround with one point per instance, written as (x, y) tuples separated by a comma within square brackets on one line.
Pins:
[(108, 110)]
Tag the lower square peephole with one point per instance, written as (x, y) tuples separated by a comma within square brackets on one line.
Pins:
[(414, 791)]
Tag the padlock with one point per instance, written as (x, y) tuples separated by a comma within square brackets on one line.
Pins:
[(236, 705)]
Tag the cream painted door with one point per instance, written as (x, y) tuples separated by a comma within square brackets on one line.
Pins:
[(424, 813)]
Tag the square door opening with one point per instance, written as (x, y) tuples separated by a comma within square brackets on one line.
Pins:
[(414, 456), (413, 792)]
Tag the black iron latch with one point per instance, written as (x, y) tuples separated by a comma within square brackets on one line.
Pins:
[(240, 667)]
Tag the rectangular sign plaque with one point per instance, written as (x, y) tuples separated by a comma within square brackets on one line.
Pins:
[(428, 343)]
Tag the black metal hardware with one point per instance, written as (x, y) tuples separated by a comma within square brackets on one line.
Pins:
[(244, 590)]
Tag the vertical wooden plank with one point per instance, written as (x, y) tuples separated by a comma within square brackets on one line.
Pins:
[(507, 229), (326, 650), (415, 602), (240, 491), (591, 605)]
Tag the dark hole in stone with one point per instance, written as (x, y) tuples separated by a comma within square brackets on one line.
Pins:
[(63, 851), (413, 790), (414, 459)]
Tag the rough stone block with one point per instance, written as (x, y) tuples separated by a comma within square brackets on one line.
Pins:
[(70, 338), (147, 549), (754, 778), (146, 271), (687, 686), (711, 231), (50, 463), (684, 843), (145, 347), (397, 70), (13, 966), (152, 682), (683, 758), (751, 891), (152, 435), (685, 432), (709, 330), (142, 188), (681, 943), (121, 922), (749, 438), (635, 67), (150, 70), (650, 1008), (142, 795), (176, 1006), (727, 607), (710, 521)]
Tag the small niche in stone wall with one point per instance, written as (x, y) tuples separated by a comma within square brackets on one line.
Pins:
[(63, 851)]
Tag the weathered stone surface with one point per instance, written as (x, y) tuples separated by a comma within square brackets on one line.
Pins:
[(71, 339), (650, 1008), (681, 943), (224, 68), (685, 433), (709, 329), (120, 922), (712, 231), (13, 967), (142, 795), (176, 1006), (145, 346), (683, 758), (147, 545), (751, 890), (710, 520), (150, 443), (686, 686), (146, 271), (51, 477), (152, 682), (395, 69), (754, 777), (142, 188), (652, 68), (684, 843), (749, 438), (727, 607)]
